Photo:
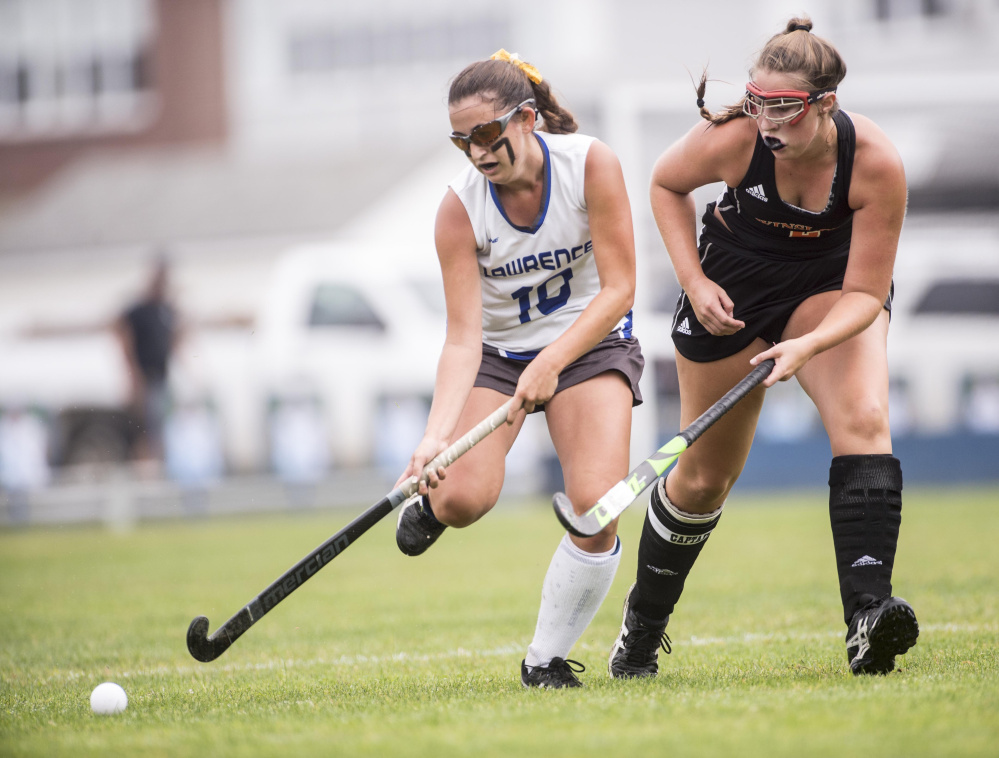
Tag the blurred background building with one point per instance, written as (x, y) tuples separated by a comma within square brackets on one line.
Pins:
[(289, 157)]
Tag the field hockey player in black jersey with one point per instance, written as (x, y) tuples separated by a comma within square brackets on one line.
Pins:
[(794, 263)]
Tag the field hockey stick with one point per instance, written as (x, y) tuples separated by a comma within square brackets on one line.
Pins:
[(205, 647), (625, 492)]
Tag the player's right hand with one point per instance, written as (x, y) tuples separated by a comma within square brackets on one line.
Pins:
[(713, 307), (536, 386)]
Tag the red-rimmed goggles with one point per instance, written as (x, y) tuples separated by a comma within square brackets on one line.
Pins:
[(780, 106), (484, 135)]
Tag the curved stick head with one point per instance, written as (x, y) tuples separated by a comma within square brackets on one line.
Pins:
[(566, 514), (200, 645)]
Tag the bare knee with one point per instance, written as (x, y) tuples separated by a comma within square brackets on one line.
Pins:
[(699, 491), (460, 509), (861, 427)]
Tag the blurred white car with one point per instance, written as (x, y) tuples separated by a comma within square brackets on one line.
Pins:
[(943, 345), (356, 329), (340, 347)]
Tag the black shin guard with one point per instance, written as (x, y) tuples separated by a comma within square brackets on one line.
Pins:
[(865, 510), (666, 553)]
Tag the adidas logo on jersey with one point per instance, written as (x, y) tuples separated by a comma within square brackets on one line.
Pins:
[(684, 327), (865, 561), (757, 192)]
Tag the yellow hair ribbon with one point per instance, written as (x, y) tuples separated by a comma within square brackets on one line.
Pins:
[(532, 73)]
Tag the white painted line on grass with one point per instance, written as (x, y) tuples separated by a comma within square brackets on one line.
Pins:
[(509, 649)]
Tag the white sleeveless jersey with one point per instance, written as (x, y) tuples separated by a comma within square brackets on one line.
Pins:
[(535, 280)]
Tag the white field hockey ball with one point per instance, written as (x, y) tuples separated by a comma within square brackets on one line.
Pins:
[(108, 698)]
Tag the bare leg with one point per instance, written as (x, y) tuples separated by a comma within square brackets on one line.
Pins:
[(590, 425), (473, 483), (685, 508), (849, 386), (678, 524), (704, 475), (848, 383)]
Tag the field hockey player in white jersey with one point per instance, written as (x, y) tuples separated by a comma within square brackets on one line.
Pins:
[(537, 254)]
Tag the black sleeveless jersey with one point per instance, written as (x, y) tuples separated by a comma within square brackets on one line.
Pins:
[(763, 225)]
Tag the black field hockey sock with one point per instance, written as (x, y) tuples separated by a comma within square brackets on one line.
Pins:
[(865, 510), (671, 541)]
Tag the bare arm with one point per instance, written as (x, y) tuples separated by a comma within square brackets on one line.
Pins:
[(609, 214), (462, 351), (706, 154)]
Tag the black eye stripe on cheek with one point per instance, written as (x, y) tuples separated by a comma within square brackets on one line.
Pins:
[(505, 142)]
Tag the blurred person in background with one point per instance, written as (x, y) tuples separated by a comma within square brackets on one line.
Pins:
[(537, 254), (149, 331), (794, 263)]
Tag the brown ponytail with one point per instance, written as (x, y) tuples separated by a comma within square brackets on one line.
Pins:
[(729, 113), (799, 53), (794, 51), (557, 120), (508, 85)]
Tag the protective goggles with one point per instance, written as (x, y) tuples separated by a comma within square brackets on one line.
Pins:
[(485, 135), (780, 106)]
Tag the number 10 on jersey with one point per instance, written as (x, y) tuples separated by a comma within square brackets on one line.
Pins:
[(547, 302)]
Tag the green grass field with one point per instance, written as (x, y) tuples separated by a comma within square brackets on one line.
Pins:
[(384, 655)]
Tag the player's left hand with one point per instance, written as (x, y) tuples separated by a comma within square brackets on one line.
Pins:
[(789, 356), (536, 386)]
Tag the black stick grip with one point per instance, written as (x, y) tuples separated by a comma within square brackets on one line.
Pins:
[(730, 398)]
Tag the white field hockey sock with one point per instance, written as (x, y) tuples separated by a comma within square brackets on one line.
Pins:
[(576, 584)]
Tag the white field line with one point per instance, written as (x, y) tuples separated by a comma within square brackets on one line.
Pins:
[(509, 649)]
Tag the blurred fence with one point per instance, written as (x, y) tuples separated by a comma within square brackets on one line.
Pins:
[(938, 459), (123, 495)]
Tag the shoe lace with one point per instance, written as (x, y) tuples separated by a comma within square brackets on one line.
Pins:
[(643, 643), (858, 631), (565, 670)]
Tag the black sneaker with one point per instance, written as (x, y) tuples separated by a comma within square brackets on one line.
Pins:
[(636, 651), (416, 530), (878, 632), (556, 675)]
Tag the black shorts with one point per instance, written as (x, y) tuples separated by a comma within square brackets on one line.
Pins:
[(613, 354), (765, 293)]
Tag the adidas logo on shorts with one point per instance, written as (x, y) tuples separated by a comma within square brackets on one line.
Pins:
[(684, 327), (757, 192)]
